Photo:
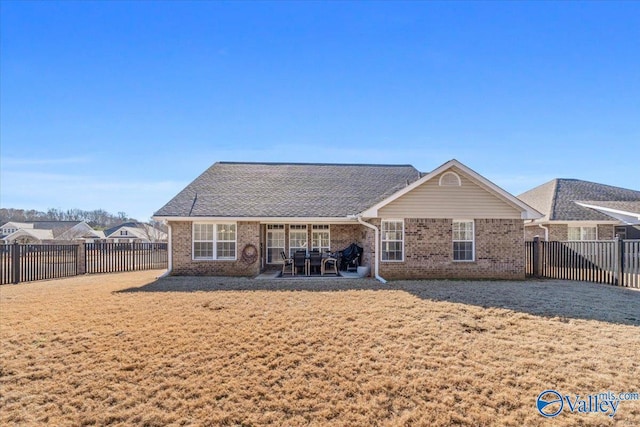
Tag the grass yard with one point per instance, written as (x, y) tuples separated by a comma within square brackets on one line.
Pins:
[(127, 349)]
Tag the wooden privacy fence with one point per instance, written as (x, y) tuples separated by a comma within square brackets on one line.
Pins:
[(26, 263), (615, 262)]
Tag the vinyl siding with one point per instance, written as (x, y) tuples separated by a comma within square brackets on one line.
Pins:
[(430, 200)]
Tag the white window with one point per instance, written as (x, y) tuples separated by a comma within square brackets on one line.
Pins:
[(463, 241), (320, 238), (392, 240), (275, 243), (214, 241), (582, 233), (297, 239), (123, 232)]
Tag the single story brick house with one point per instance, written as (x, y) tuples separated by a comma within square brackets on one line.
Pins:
[(577, 210), (237, 218)]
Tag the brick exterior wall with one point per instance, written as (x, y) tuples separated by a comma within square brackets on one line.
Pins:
[(532, 231), (560, 233), (499, 251), (606, 232), (184, 265), (344, 235)]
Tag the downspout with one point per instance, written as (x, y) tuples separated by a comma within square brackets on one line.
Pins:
[(546, 232), (169, 253), (376, 239)]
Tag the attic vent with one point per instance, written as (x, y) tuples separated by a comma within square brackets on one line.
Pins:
[(450, 179)]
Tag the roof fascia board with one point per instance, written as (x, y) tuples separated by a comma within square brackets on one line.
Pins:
[(608, 211), (527, 212), (576, 222), (263, 220)]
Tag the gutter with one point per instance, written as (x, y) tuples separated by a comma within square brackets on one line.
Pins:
[(169, 253), (546, 232), (376, 245)]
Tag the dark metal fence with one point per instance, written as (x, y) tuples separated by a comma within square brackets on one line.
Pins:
[(117, 257), (614, 262), (26, 263)]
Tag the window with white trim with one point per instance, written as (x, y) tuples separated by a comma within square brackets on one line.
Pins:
[(582, 233), (275, 243), (463, 241), (297, 238), (320, 237), (392, 240), (214, 241)]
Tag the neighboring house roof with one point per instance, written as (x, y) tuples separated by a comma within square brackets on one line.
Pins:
[(137, 230), (111, 230), (558, 199), (57, 227), (17, 225), (36, 234), (80, 231), (131, 232), (280, 190)]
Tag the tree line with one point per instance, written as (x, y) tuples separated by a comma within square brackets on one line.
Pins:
[(97, 219)]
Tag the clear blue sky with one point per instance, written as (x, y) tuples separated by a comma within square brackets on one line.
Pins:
[(118, 105)]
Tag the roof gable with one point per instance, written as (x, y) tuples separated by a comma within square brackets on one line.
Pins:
[(293, 190), (37, 234), (525, 211), (80, 230)]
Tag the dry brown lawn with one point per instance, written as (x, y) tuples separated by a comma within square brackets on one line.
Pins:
[(127, 349)]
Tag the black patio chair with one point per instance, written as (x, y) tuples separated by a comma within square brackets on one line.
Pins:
[(300, 260), (315, 262)]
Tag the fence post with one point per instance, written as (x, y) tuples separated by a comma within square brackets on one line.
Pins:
[(81, 261), (15, 263), (536, 257), (620, 260)]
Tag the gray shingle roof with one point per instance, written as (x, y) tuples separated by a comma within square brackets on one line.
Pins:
[(556, 199), (229, 189), (57, 227)]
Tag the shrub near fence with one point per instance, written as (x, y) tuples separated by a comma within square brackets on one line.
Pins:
[(615, 262), (25, 263)]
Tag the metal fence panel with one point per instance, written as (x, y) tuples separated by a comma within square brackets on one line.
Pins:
[(119, 257), (25, 263)]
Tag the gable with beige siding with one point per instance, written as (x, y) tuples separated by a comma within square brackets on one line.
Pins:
[(432, 200)]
